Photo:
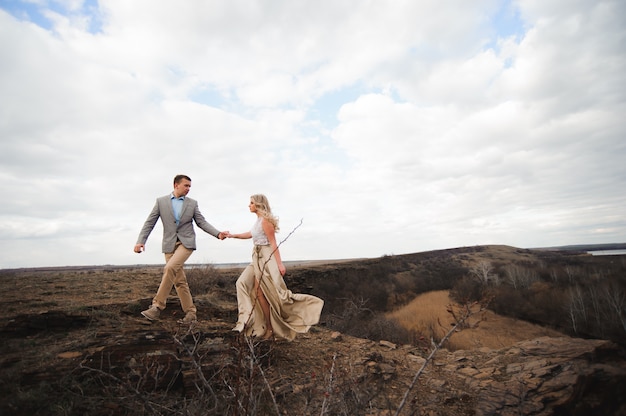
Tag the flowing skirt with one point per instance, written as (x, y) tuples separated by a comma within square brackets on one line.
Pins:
[(290, 313)]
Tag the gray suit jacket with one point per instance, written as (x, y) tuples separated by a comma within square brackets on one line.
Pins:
[(184, 231)]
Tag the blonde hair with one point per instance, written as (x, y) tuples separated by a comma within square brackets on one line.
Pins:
[(263, 208)]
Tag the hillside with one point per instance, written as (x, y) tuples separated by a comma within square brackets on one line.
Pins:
[(74, 344)]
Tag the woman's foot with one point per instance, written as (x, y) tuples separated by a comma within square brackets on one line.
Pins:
[(269, 335)]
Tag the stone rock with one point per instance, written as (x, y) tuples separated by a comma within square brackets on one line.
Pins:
[(388, 344), (336, 336), (547, 376), (70, 354)]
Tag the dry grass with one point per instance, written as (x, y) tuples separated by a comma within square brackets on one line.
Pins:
[(428, 315)]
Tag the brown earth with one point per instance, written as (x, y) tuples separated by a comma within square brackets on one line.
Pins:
[(429, 312), (73, 343)]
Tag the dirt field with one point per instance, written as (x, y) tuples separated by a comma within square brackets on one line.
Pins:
[(69, 336), (74, 343)]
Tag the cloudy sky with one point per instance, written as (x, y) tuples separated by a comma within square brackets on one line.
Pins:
[(374, 127)]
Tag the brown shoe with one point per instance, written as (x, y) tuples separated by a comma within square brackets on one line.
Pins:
[(152, 313), (189, 318)]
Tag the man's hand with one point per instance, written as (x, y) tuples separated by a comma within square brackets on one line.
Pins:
[(139, 248), (223, 235)]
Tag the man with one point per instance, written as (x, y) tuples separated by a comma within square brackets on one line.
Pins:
[(177, 213)]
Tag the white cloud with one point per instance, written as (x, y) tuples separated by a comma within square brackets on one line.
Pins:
[(387, 128)]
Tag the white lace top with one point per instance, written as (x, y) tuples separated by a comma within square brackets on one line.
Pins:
[(258, 235)]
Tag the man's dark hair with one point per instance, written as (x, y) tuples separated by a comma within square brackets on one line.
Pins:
[(179, 178)]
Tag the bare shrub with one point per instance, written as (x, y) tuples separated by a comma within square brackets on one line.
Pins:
[(350, 319), (467, 290), (380, 327), (545, 304), (220, 378), (508, 302), (576, 308), (520, 277), (484, 273), (599, 310), (202, 279), (616, 304), (574, 273)]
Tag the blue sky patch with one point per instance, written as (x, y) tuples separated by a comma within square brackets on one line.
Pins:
[(36, 13), (327, 106), (207, 96), (507, 21)]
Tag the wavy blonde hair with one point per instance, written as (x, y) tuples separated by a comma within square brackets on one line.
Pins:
[(263, 208)]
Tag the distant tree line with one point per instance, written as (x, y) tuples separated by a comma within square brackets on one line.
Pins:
[(579, 295)]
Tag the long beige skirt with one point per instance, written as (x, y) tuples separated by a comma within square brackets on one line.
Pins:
[(290, 313)]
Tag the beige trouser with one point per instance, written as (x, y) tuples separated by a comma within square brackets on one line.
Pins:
[(174, 275)]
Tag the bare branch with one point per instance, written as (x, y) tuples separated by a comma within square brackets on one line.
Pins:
[(329, 391)]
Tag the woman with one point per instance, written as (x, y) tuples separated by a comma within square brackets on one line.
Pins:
[(266, 307)]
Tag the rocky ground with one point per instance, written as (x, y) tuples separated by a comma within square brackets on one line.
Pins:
[(69, 347)]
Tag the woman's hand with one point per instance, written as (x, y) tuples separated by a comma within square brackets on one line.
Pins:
[(282, 269)]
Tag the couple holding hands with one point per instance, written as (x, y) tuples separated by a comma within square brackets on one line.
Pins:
[(267, 308)]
